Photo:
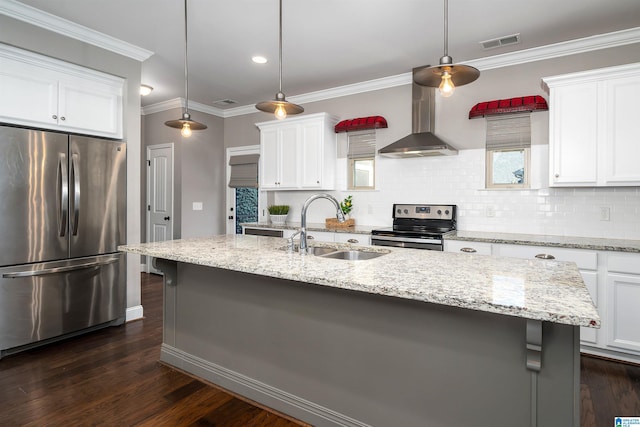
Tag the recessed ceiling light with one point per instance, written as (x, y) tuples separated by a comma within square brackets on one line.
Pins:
[(259, 59)]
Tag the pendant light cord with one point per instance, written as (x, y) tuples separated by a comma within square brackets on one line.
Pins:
[(186, 65), (446, 27), (280, 50)]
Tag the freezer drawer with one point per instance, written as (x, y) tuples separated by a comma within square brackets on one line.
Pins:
[(47, 300)]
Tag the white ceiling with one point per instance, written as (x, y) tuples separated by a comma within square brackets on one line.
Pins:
[(326, 43)]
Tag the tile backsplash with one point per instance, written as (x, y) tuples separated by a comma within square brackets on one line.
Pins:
[(460, 180)]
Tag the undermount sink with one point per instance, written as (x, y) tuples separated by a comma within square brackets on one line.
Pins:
[(320, 250), (352, 255), (337, 253)]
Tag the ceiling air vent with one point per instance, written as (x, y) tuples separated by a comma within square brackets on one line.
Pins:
[(501, 41), (224, 102)]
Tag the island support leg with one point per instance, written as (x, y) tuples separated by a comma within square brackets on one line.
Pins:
[(170, 271), (534, 363)]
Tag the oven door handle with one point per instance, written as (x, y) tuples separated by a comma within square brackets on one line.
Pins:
[(405, 239)]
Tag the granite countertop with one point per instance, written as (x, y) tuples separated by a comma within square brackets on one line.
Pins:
[(357, 229), (543, 290), (575, 242), (592, 243)]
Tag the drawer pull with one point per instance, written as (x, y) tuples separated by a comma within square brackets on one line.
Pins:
[(468, 250), (310, 237), (353, 241), (545, 256)]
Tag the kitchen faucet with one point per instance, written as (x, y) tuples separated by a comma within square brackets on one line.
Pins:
[(303, 217)]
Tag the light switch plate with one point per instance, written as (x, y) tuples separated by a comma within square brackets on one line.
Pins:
[(605, 213), (197, 206)]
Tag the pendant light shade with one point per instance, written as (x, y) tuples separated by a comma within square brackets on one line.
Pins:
[(279, 106), (446, 76), (185, 123)]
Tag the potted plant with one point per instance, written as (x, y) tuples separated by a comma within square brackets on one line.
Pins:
[(346, 206), (278, 213)]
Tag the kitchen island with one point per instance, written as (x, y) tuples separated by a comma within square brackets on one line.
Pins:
[(408, 338)]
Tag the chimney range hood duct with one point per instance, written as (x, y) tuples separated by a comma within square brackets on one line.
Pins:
[(422, 142)]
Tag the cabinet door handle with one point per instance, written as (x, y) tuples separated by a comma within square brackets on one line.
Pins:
[(545, 256), (54, 117), (557, 175), (353, 241), (310, 237), (62, 118), (468, 250)]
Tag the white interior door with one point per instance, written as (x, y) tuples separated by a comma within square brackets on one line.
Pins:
[(159, 196)]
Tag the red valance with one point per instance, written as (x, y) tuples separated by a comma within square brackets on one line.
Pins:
[(508, 106), (361, 123)]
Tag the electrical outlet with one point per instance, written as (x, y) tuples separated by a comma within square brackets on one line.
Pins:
[(197, 206), (605, 213), (491, 211)]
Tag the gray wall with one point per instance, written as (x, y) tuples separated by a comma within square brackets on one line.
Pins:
[(41, 41), (199, 173), (452, 121)]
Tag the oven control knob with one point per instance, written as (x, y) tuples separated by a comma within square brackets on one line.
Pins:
[(446, 212), (439, 212), (406, 211), (399, 211)]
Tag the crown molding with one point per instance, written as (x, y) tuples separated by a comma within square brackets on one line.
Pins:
[(180, 103), (556, 50), (162, 106), (352, 89), (336, 92), (39, 18)]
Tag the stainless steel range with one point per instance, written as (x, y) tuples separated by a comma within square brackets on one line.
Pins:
[(417, 226)]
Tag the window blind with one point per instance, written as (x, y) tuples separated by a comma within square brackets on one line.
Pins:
[(362, 145), (511, 132), (244, 171)]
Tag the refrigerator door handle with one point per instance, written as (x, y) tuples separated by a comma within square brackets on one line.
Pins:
[(63, 184), (76, 193), (54, 270)]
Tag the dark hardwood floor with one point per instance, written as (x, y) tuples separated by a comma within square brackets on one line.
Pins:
[(112, 377)]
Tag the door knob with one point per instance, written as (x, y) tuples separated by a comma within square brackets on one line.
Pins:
[(167, 218)]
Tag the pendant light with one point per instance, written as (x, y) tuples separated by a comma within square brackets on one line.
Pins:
[(446, 76), (279, 106), (185, 124)]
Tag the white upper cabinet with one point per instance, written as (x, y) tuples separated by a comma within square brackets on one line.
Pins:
[(594, 128), (298, 153), (39, 91)]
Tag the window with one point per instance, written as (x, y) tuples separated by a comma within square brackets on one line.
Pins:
[(361, 157), (508, 151)]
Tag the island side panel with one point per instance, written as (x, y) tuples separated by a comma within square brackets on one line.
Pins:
[(335, 357)]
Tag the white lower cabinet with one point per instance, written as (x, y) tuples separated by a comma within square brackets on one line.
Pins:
[(480, 248), (321, 236), (613, 281), (353, 238), (623, 302), (330, 236), (587, 262)]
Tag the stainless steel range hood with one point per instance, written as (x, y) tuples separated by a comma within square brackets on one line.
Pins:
[(422, 142)]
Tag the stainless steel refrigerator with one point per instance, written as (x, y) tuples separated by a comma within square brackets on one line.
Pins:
[(62, 216)]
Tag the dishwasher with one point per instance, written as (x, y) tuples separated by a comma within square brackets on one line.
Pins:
[(262, 232)]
